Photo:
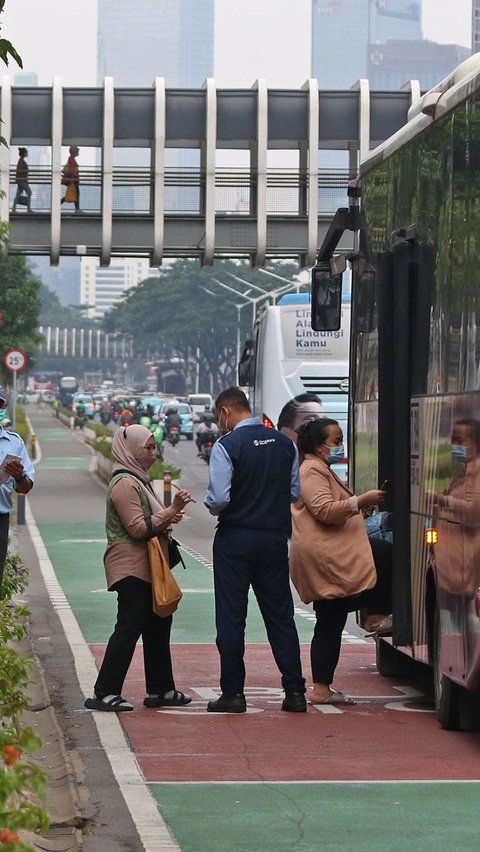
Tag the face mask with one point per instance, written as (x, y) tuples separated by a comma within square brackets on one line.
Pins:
[(145, 459), (3, 414), (336, 454), (459, 453)]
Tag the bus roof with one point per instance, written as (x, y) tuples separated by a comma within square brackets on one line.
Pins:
[(303, 299), (455, 88)]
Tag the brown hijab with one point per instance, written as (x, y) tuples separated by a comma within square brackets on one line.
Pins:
[(127, 445)]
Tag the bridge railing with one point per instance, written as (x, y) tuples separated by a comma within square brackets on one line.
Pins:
[(287, 191)]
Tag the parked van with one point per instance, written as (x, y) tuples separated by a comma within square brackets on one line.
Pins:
[(199, 403)]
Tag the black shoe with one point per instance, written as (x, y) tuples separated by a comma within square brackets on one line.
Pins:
[(295, 702), (228, 704)]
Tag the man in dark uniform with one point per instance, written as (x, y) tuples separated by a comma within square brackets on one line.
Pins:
[(253, 479)]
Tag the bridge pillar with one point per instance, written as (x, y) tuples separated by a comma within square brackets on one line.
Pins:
[(208, 151), (159, 172), (258, 171), (107, 170), (56, 184)]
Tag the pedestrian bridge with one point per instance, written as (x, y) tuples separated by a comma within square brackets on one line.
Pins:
[(203, 210)]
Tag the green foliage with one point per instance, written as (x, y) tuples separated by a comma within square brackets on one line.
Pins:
[(21, 425), (100, 430), (172, 318), (17, 776), (20, 307), (7, 49), (15, 576)]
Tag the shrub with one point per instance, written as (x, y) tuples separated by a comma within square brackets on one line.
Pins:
[(21, 425), (17, 776)]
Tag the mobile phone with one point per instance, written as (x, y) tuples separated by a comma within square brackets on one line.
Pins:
[(386, 485)]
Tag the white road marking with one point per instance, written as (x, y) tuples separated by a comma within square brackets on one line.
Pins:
[(153, 831)]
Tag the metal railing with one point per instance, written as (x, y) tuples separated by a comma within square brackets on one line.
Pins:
[(184, 190)]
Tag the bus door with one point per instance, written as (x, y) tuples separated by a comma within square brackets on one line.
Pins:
[(395, 270), (404, 282)]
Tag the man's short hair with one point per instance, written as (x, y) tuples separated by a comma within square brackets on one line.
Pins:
[(286, 418), (233, 397)]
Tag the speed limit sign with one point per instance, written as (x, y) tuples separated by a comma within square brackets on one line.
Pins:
[(15, 359)]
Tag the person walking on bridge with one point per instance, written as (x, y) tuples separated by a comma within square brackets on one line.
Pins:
[(253, 479), (71, 179)]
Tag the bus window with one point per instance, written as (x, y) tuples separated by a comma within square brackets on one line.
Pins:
[(364, 288)]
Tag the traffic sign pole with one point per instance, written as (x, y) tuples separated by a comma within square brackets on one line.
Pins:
[(15, 360)]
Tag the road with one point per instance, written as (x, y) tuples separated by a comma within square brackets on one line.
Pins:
[(378, 774)]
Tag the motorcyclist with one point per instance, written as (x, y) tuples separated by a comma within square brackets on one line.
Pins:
[(172, 419), (80, 415), (127, 416), (207, 429)]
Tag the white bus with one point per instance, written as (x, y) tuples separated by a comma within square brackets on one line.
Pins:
[(286, 358)]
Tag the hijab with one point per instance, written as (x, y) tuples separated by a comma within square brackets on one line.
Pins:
[(127, 445)]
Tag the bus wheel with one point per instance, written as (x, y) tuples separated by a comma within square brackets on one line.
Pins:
[(447, 693)]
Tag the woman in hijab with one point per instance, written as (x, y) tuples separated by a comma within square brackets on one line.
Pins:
[(134, 515)]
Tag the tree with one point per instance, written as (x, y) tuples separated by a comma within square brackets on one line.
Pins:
[(175, 323), (20, 306)]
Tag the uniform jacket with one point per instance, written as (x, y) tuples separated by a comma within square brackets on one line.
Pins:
[(330, 554)]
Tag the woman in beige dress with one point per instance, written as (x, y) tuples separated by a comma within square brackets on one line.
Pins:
[(331, 560), (134, 515)]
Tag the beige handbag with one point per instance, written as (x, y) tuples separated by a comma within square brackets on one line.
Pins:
[(166, 593)]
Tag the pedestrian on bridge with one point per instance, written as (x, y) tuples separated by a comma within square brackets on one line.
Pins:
[(23, 194), (71, 179), (134, 514), (17, 473), (253, 480)]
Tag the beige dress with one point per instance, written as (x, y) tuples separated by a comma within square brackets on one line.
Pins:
[(330, 554)]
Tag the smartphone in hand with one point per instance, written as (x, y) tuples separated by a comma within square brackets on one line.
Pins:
[(386, 485)]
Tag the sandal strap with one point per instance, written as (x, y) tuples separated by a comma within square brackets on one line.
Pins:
[(115, 701)]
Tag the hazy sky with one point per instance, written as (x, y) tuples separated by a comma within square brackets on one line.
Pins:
[(254, 38)]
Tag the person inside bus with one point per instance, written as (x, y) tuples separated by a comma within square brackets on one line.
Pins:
[(301, 409), (331, 561)]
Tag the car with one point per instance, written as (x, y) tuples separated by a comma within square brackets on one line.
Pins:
[(185, 412), (87, 401)]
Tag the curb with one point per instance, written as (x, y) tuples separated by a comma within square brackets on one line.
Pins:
[(62, 798)]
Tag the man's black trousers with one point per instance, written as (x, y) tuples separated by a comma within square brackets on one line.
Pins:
[(244, 558)]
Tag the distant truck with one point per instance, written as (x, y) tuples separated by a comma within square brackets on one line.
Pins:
[(68, 387), (199, 402)]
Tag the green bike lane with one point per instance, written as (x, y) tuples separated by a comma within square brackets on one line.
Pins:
[(373, 774)]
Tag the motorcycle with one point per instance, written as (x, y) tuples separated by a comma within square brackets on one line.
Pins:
[(79, 421), (205, 451), (105, 417), (173, 435)]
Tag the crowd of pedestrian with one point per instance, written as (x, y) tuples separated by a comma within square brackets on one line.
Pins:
[(264, 490), (266, 486)]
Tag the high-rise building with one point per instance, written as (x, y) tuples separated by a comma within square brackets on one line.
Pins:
[(156, 38), (342, 31), (102, 286), (475, 26), (138, 42)]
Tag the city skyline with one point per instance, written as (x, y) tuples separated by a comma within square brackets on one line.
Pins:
[(254, 38)]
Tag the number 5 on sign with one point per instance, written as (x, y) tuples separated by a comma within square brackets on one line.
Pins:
[(15, 359)]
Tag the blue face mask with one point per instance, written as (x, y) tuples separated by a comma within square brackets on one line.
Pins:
[(459, 453), (3, 414), (336, 454)]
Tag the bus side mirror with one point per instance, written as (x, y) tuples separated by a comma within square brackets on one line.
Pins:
[(326, 299), (364, 290), (246, 365)]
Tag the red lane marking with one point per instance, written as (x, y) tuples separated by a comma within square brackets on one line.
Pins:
[(368, 741)]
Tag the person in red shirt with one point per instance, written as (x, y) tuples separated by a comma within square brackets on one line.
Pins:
[(21, 178), (71, 175)]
